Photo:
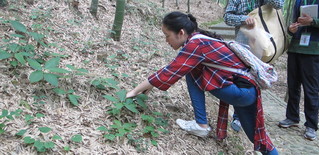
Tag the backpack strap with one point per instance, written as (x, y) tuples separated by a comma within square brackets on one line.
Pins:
[(234, 70)]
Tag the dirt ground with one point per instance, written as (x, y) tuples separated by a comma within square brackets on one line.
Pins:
[(84, 42)]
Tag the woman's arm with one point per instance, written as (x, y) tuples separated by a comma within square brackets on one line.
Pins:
[(233, 15), (143, 87)]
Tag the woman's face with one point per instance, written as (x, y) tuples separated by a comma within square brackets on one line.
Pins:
[(175, 40)]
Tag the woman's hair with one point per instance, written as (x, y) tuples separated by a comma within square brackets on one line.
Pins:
[(175, 21)]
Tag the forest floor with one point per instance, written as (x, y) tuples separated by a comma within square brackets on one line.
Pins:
[(45, 115)]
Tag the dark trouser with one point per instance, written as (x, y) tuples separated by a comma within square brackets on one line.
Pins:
[(303, 70)]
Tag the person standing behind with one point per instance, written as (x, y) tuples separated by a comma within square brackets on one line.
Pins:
[(303, 69), (236, 14)]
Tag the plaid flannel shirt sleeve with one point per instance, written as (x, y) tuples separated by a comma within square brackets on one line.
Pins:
[(236, 12), (186, 60), (277, 4)]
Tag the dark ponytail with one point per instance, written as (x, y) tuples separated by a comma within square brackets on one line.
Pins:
[(175, 21)]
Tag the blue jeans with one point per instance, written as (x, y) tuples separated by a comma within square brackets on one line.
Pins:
[(243, 100)]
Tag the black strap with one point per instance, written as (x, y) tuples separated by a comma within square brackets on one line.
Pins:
[(267, 30)]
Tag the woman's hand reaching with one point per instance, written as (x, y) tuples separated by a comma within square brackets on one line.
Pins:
[(143, 88)]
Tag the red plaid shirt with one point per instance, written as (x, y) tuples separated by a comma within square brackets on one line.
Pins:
[(207, 78)]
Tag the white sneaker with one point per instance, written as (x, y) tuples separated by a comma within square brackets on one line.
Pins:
[(193, 128)]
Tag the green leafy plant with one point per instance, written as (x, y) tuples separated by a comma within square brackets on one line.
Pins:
[(41, 146), (72, 98), (76, 138), (120, 102), (47, 71), (104, 83), (118, 129), (8, 116)]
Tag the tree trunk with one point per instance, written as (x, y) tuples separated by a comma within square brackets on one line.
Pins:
[(3, 3), (94, 6), (163, 3), (118, 20), (176, 3), (188, 6)]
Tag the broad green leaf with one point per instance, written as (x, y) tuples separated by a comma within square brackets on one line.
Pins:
[(111, 98), (82, 70), (39, 146), (58, 70), (18, 26), (5, 55), (117, 123), (17, 35), (36, 36), (129, 126), (121, 132), (121, 95), (109, 136), (73, 99), (67, 148), (70, 91), (112, 82), (36, 76), (118, 105), (128, 101), (39, 115), (59, 91), (131, 107), (154, 142), (148, 118), (143, 97), (13, 47), (148, 129), (56, 137), (21, 132), (49, 145), (28, 140), (1, 130), (4, 113), (154, 134), (102, 128), (45, 129), (28, 117), (77, 138), (51, 78), (29, 48), (163, 130), (71, 67), (52, 63), (125, 75), (14, 63), (20, 58), (34, 64)]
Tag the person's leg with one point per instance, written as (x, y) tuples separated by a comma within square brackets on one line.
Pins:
[(294, 87), (247, 117), (310, 80), (198, 100), (198, 127), (244, 102)]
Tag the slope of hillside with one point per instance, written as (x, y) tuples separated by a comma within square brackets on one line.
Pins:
[(38, 117)]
